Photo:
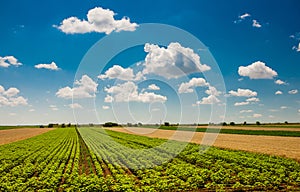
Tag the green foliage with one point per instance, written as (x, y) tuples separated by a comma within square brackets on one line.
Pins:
[(53, 162)]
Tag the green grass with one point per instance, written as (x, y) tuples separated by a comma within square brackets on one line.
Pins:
[(16, 127), (233, 131)]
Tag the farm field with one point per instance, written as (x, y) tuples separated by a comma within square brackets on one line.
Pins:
[(94, 159), (12, 135), (273, 145)]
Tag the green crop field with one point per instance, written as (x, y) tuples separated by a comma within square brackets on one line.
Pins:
[(94, 159)]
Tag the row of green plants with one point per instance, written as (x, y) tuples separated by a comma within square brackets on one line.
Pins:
[(54, 161), (147, 164)]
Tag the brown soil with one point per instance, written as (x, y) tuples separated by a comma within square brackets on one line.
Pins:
[(273, 145), (12, 135)]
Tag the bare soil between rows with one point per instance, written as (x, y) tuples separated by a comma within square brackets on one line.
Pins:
[(13, 135), (273, 145)]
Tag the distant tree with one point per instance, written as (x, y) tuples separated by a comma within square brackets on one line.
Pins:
[(245, 123), (110, 124), (50, 125), (69, 125), (258, 123), (129, 124), (167, 124), (232, 123), (140, 124), (286, 122), (63, 125), (224, 124), (91, 125), (41, 126)]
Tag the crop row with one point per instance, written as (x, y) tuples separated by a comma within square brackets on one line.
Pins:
[(94, 159), (151, 164)]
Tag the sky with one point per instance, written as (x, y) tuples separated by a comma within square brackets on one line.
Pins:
[(194, 61)]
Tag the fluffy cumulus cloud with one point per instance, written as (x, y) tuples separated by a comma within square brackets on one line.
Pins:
[(153, 87), (172, 62), (98, 20), (257, 70), (194, 82), (283, 107), (242, 103), (293, 92), (84, 88), (128, 92), (51, 66), (10, 97), (253, 99), (298, 110), (75, 106), (280, 82), (212, 91), (278, 93), (118, 72), (8, 61), (256, 24), (243, 93), (211, 99)]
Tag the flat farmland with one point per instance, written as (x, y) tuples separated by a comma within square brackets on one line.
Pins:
[(272, 145), (12, 135)]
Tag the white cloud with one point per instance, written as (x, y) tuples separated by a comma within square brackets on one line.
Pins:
[(105, 107), (297, 48), (256, 24), (283, 107), (108, 99), (246, 111), (75, 106), (294, 91), (51, 66), (253, 99), (98, 20), (257, 115), (257, 70), (212, 91), (153, 87), (244, 16), (8, 61), (11, 92), (278, 93), (298, 110), (241, 103), (211, 99), (243, 93), (31, 110), (118, 72), (53, 107), (280, 82), (84, 88), (194, 82), (128, 91), (172, 62), (10, 97)]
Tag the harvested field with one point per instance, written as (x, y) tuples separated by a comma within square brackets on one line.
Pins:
[(255, 128), (272, 145), (12, 135)]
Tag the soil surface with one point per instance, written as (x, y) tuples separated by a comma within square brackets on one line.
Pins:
[(272, 145), (12, 135)]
